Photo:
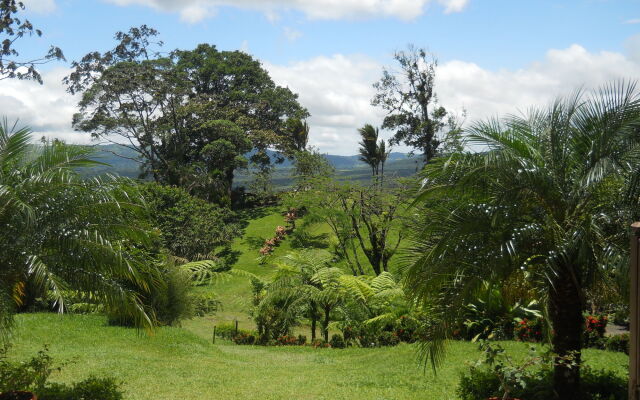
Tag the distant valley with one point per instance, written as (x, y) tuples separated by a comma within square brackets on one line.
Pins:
[(121, 161)]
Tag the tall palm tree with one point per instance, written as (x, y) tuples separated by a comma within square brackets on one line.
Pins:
[(383, 155), (60, 231), (534, 201), (369, 147), (299, 133)]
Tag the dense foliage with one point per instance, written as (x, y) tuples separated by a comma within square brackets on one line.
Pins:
[(60, 231), (191, 227), (190, 115), (532, 202)]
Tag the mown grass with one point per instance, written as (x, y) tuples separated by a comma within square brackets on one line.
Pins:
[(175, 363)]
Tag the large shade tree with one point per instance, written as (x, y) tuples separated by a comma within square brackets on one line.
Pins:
[(534, 199), (191, 116), (61, 232)]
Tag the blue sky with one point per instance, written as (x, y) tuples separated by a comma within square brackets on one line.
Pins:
[(495, 56)]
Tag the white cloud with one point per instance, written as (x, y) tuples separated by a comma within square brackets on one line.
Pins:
[(632, 45), (337, 91), (486, 93), (291, 34), (47, 109), (632, 21), (196, 10), (452, 6), (40, 6)]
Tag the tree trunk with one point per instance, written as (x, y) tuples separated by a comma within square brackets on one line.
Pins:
[(565, 311), (314, 319), (325, 323)]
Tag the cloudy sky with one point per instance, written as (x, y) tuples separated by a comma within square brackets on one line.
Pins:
[(495, 56)]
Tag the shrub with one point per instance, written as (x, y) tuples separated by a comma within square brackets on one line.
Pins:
[(205, 304), (33, 376), (92, 388), (405, 329), (191, 227), (337, 341), (168, 296), (362, 335), (388, 339), (228, 331), (484, 382), (244, 338), (287, 340), (618, 343), (302, 340), (594, 330), (529, 330), (319, 343), (621, 315)]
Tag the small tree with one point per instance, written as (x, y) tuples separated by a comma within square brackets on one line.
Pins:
[(369, 147), (410, 101)]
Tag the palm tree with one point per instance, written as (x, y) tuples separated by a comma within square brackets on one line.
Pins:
[(534, 201), (383, 155), (60, 231), (299, 133), (369, 147)]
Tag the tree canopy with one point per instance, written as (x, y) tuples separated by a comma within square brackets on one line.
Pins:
[(411, 103), (192, 116)]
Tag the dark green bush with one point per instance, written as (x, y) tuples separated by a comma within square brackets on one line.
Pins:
[(287, 340), (168, 296), (320, 343), (191, 227), (621, 315), (244, 338), (388, 339), (480, 384), (33, 376), (228, 331), (92, 388), (205, 304), (337, 341), (302, 340), (618, 343)]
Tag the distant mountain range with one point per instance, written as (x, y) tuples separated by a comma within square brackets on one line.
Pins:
[(121, 161)]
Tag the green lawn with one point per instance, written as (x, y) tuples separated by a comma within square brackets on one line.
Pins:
[(176, 363)]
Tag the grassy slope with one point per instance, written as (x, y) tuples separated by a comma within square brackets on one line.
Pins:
[(235, 292), (176, 364)]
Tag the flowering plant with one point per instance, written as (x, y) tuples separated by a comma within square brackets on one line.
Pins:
[(529, 330)]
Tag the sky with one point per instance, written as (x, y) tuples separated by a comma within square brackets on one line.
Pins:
[(495, 57)]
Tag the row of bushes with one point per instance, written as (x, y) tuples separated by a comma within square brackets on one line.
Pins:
[(248, 337)]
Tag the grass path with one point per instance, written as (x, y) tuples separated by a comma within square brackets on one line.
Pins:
[(177, 364)]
